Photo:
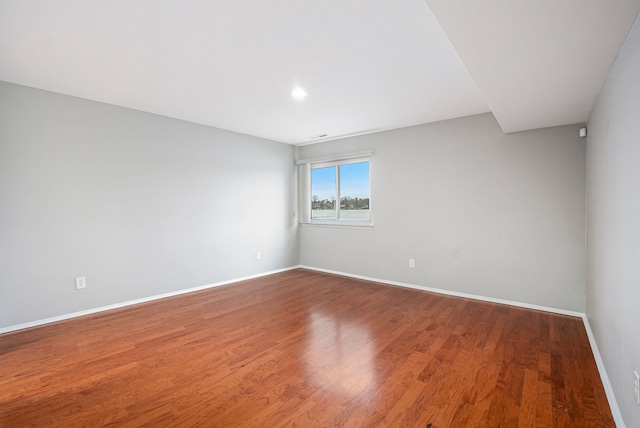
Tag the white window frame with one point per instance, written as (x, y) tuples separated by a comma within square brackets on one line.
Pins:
[(305, 182)]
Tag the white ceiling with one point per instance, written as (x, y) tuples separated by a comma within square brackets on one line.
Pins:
[(367, 66), (537, 63)]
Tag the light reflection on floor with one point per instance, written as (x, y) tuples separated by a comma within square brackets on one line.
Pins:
[(341, 355)]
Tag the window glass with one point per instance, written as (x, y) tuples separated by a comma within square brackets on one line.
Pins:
[(323, 193), (340, 192), (354, 191)]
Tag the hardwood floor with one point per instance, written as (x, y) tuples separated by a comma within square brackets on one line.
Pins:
[(304, 349)]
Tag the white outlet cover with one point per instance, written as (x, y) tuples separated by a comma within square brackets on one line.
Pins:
[(636, 387), (81, 283)]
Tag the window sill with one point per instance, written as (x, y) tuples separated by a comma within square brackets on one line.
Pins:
[(339, 224)]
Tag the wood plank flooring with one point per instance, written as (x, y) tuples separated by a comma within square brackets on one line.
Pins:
[(304, 349)]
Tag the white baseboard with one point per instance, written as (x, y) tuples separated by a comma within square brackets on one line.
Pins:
[(452, 293), (608, 389), (615, 410), (134, 302)]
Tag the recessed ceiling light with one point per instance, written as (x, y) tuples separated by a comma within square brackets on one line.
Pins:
[(298, 93)]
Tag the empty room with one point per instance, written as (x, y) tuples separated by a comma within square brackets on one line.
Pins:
[(409, 213)]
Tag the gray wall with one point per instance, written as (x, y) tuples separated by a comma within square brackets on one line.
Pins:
[(613, 212), (139, 204), (482, 212)]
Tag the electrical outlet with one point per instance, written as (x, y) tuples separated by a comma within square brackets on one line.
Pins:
[(258, 255), (81, 283), (636, 387), (412, 263)]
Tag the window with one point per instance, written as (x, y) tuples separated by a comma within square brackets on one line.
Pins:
[(337, 191)]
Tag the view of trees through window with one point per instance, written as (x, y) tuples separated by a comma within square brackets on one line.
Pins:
[(348, 183)]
